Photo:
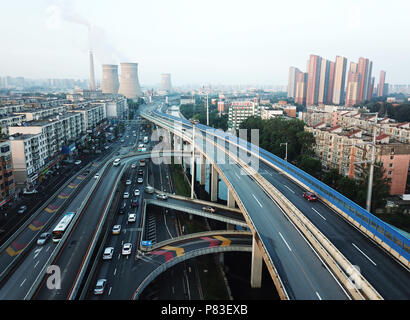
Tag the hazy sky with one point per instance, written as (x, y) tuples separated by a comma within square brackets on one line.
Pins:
[(209, 41)]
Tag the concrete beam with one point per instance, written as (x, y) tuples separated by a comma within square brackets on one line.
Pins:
[(256, 266), (231, 199), (202, 171)]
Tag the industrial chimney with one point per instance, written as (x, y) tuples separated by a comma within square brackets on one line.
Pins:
[(91, 85), (129, 84), (110, 82), (166, 82)]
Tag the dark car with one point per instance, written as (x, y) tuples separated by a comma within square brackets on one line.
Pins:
[(310, 196), (122, 208), (134, 203), (140, 172)]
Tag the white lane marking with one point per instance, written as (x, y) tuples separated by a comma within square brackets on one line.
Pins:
[(364, 254), (36, 264), (318, 213), (47, 248), (285, 241), (36, 252), (109, 292), (289, 189), (115, 271), (119, 255), (237, 175), (23, 282), (257, 200), (318, 296)]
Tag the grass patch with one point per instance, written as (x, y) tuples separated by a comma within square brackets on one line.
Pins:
[(182, 187)]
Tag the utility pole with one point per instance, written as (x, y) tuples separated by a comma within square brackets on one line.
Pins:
[(207, 110), (194, 122)]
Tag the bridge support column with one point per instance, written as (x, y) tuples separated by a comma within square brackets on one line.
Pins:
[(214, 184), (256, 266), (231, 199), (202, 171)]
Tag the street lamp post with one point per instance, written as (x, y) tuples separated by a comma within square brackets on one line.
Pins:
[(286, 150)]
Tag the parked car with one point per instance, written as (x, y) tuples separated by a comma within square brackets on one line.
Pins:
[(108, 252), (22, 209), (310, 196), (208, 209), (100, 286), (162, 196), (43, 238)]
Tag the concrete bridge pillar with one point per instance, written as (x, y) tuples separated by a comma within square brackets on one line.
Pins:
[(214, 184), (256, 266), (202, 170), (231, 199)]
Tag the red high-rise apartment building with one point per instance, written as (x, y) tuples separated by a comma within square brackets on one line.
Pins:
[(365, 69), (301, 85), (312, 90), (382, 79)]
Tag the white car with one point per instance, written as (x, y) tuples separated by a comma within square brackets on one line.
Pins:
[(77, 162), (99, 288), (140, 180), (162, 196), (97, 175), (126, 195), (136, 192), (133, 165), (108, 252), (126, 249), (128, 182), (116, 229), (132, 217)]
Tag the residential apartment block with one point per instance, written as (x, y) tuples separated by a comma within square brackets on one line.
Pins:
[(240, 111), (7, 183)]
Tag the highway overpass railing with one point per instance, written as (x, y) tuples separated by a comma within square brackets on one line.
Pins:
[(381, 232)]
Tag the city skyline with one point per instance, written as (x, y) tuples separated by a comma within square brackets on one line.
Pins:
[(248, 45)]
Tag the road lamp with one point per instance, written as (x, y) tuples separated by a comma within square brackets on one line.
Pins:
[(286, 150), (194, 122)]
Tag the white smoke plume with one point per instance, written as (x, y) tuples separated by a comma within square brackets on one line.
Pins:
[(98, 41)]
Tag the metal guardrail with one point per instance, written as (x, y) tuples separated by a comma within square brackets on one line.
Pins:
[(389, 238)]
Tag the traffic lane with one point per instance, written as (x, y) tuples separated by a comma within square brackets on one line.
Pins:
[(298, 267), (388, 277), (28, 269), (71, 256)]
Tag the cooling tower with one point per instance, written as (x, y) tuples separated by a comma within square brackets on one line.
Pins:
[(166, 82), (129, 84), (110, 82), (91, 85)]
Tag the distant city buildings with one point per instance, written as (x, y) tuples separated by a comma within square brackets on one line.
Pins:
[(325, 82)]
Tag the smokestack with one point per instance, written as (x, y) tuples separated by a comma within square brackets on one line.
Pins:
[(129, 84), (91, 85), (110, 82), (166, 82)]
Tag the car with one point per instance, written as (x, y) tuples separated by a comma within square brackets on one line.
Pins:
[(134, 203), (140, 172), (22, 209), (310, 196), (106, 147), (140, 180), (128, 182), (97, 175), (126, 195), (123, 208), (132, 217), (77, 162), (116, 229), (126, 249), (43, 238), (149, 189), (133, 165), (100, 286), (162, 196), (208, 209), (108, 252), (136, 192)]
